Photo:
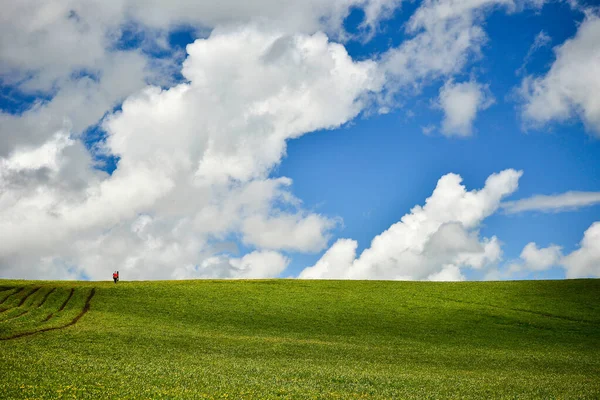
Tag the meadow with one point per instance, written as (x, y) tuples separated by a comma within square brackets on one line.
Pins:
[(299, 339)]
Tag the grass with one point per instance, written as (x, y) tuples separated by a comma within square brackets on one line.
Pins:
[(300, 339)]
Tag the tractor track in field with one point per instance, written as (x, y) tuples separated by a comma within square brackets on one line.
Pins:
[(539, 313), (46, 297), (15, 316), (85, 309), (6, 298), (62, 307), (23, 300), (28, 295), (9, 296), (38, 306), (67, 300)]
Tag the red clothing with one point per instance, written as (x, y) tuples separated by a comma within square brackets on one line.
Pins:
[(115, 275)]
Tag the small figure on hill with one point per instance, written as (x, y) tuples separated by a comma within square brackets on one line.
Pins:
[(116, 276)]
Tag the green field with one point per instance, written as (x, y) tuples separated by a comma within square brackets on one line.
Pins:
[(300, 339)]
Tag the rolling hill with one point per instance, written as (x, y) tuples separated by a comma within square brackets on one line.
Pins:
[(300, 339)]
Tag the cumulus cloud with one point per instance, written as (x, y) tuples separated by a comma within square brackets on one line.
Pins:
[(446, 35), (294, 16), (553, 203), (581, 263), (44, 44), (449, 273), (537, 259), (255, 265), (78, 103), (585, 261), (334, 264), (461, 102), (435, 241), (571, 86), (287, 232), (194, 165)]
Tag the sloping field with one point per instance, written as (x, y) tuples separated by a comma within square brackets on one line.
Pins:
[(300, 339)]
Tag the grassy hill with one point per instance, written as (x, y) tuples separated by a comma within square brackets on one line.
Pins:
[(300, 339)]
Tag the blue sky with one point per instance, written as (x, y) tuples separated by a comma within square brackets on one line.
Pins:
[(353, 176)]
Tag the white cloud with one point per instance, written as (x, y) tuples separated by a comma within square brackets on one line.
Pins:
[(53, 40), (194, 162), (440, 51), (45, 156), (428, 129), (585, 261), (553, 203), (434, 241), (334, 263), (541, 40), (461, 102), (449, 273), (571, 86), (537, 259), (447, 34), (581, 263), (78, 104), (255, 265), (289, 232), (293, 16)]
